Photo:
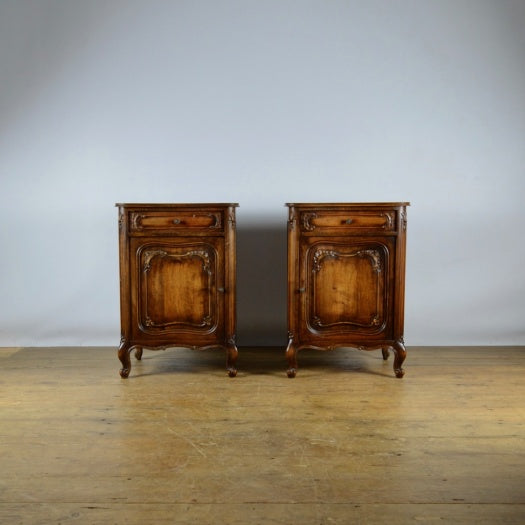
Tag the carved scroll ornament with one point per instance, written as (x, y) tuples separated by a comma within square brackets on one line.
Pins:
[(151, 254), (307, 225), (322, 253)]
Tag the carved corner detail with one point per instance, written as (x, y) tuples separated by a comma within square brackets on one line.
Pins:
[(136, 220), (319, 255), (216, 220), (404, 220), (291, 219), (307, 225), (389, 220), (120, 219), (374, 256), (149, 255)]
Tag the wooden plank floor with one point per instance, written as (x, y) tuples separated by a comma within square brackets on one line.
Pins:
[(345, 442)]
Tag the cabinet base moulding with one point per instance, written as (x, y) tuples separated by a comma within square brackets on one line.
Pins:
[(397, 347), (125, 349)]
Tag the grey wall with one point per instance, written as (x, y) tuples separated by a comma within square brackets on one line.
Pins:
[(262, 102)]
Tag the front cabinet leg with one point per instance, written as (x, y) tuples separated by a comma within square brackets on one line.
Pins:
[(123, 355), (291, 355), (231, 358), (400, 355)]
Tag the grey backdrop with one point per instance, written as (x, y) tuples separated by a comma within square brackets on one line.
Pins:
[(262, 103)]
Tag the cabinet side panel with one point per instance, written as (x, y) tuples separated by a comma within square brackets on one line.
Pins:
[(124, 276), (293, 273), (230, 272), (399, 304)]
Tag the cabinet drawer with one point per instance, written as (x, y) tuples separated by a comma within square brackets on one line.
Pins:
[(142, 221), (349, 220)]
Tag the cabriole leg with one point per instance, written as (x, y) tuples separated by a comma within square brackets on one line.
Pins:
[(291, 355), (400, 355), (231, 359), (123, 355), (138, 353), (386, 352)]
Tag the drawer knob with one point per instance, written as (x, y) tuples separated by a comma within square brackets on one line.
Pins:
[(302, 290), (176, 221), (349, 221), (221, 290)]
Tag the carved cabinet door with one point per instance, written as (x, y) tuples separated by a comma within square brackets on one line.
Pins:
[(345, 289), (178, 289)]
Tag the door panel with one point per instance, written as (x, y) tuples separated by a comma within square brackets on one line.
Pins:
[(346, 287), (177, 287)]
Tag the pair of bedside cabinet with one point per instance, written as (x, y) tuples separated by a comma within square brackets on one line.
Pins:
[(346, 278)]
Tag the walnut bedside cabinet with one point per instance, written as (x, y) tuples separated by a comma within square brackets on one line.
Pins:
[(346, 278), (177, 278)]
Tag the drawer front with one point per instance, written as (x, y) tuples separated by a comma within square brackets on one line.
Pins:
[(348, 220), (148, 221)]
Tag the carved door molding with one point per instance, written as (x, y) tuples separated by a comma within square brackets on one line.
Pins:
[(345, 288), (357, 303), (177, 288)]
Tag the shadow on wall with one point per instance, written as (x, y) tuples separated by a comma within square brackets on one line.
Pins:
[(261, 285)]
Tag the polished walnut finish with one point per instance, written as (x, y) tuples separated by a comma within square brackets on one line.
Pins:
[(177, 278), (346, 278)]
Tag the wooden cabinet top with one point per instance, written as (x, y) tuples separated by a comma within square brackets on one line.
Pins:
[(320, 205), (151, 206)]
